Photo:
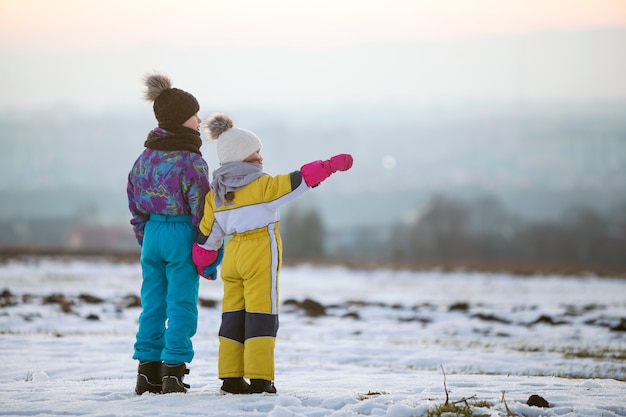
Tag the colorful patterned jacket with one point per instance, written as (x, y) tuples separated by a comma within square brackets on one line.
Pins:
[(171, 183)]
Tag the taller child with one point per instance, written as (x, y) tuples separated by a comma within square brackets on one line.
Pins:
[(166, 189), (243, 203)]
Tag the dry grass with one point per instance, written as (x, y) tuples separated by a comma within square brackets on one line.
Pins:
[(8, 253)]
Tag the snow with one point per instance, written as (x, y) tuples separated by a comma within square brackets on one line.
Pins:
[(381, 349)]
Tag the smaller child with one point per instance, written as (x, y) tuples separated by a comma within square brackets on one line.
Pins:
[(243, 203)]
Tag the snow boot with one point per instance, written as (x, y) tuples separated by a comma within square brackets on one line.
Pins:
[(173, 378), (235, 386), (258, 386), (149, 377)]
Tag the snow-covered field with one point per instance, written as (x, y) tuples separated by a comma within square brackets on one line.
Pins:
[(379, 347)]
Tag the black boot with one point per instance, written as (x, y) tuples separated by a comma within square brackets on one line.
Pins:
[(149, 377), (173, 378), (235, 386), (258, 386)]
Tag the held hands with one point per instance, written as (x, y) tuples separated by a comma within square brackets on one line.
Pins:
[(317, 171), (210, 272), (207, 261)]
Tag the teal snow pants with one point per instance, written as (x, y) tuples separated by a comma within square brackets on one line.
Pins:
[(169, 292)]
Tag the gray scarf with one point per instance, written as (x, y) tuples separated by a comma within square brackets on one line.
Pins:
[(233, 176)]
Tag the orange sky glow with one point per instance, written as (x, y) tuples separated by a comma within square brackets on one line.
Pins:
[(75, 25)]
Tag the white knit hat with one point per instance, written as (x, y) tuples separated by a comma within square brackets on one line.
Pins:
[(233, 144)]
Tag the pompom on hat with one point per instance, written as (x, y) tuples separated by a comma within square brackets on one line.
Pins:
[(233, 144), (172, 106)]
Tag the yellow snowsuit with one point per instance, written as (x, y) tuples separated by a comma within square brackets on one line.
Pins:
[(250, 271)]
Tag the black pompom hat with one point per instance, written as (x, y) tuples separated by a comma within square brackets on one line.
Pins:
[(172, 106)]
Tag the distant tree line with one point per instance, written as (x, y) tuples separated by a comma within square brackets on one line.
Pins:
[(448, 231), (303, 235)]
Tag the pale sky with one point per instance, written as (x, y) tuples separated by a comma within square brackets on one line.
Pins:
[(57, 51)]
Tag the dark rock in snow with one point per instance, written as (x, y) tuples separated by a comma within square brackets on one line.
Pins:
[(461, 306), (206, 302), (621, 327), (548, 320), (91, 299), (313, 308), (491, 317), (537, 401)]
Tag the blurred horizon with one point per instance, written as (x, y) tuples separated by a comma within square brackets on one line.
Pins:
[(538, 161)]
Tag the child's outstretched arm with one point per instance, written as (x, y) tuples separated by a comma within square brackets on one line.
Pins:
[(317, 171)]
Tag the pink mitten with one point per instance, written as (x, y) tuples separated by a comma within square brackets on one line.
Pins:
[(317, 171), (341, 162), (202, 257)]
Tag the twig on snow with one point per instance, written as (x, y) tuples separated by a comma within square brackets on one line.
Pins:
[(464, 400), (509, 413), (445, 388)]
